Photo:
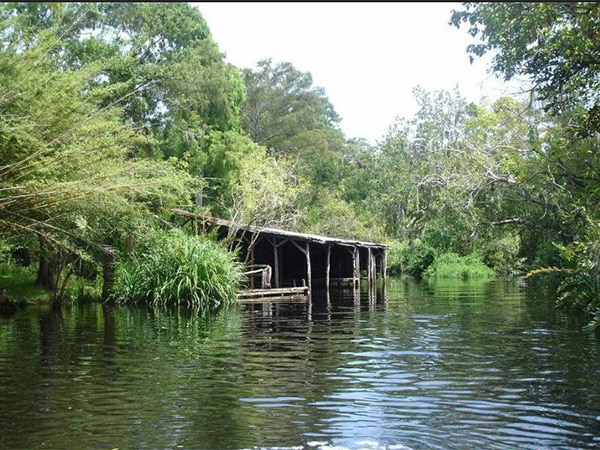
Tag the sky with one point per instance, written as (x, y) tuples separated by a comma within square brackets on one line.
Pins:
[(367, 56)]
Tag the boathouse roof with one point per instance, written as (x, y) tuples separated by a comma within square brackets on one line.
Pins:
[(278, 232)]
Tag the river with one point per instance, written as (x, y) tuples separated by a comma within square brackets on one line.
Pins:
[(451, 365)]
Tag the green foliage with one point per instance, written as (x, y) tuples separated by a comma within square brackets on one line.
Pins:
[(452, 265), (502, 253), (232, 163), (555, 44), (175, 269), (409, 257), (281, 103), (295, 121), (68, 174), (579, 288), (329, 215), (266, 192), (162, 68), (556, 179), (5, 252), (395, 257), (594, 324), (17, 284), (424, 177)]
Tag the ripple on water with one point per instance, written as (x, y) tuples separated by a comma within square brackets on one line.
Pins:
[(420, 373)]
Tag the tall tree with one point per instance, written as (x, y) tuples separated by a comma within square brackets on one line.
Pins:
[(65, 159), (165, 69), (281, 103), (294, 119)]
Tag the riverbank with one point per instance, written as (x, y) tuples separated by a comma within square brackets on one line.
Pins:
[(18, 288)]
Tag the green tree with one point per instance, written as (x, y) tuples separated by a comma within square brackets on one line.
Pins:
[(281, 103), (456, 177), (65, 160), (285, 112), (424, 172), (162, 66), (555, 44)]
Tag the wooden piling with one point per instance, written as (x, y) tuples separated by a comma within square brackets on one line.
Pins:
[(356, 267), (306, 251), (370, 271), (308, 268), (328, 268), (276, 263)]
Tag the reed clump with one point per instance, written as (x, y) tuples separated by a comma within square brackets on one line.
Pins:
[(175, 269)]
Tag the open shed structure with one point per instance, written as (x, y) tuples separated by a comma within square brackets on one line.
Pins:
[(286, 258)]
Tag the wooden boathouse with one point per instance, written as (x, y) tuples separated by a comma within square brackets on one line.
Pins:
[(277, 259)]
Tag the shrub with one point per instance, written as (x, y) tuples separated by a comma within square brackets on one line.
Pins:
[(175, 269), (451, 265), (502, 254), (409, 258)]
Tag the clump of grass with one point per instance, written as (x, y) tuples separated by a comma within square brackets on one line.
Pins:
[(451, 265), (175, 269)]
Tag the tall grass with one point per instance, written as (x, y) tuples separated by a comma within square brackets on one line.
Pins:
[(175, 269), (451, 265)]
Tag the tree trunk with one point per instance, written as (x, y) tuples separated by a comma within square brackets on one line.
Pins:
[(108, 272), (46, 272)]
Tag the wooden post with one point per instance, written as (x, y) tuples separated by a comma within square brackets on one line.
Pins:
[(308, 268), (328, 269), (276, 263), (251, 261), (306, 251), (356, 268), (356, 276), (369, 271), (276, 260), (374, 269), (269, 276), (371, 274), (384, 265)]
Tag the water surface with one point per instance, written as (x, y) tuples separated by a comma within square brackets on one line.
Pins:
[(433, 366)]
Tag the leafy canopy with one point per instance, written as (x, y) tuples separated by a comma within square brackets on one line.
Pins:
[(555, 44)]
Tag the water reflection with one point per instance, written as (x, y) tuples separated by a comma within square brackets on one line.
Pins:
[(446, 365)]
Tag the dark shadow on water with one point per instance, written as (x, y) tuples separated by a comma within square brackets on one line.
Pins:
[(8, 307)]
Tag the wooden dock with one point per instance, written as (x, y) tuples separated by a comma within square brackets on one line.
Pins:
[(286, 293)]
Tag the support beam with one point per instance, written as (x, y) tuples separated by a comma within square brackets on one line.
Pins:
[(370, 271), (276, 260), (306, 251), (267, 277), (250, 261), (373, 270), (383, 266), (372, 274)]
